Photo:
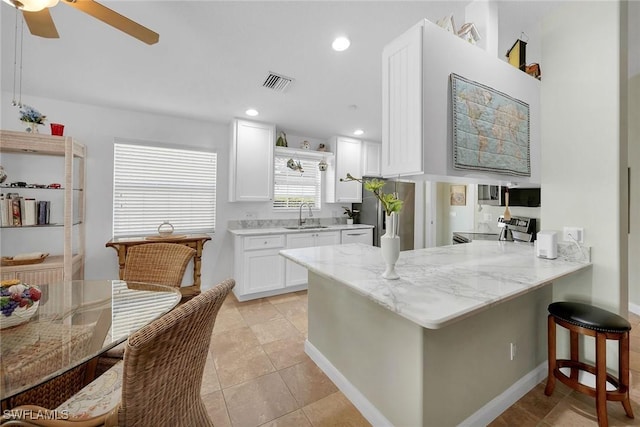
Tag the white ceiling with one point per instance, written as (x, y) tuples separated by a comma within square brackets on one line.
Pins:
[(213, 57)]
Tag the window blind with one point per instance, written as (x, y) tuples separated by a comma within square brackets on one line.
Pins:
[(156, 184), (291, 188)]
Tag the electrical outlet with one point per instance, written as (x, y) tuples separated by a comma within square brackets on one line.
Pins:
[(576, 232), (487, 217), (250, 215), (512, 350)]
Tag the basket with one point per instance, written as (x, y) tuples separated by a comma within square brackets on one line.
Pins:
[(19, 316), (9, 261)]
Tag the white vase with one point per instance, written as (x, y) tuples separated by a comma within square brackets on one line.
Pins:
[(390, 247), (349, 221)]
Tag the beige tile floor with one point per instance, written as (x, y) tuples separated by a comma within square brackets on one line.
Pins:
[(257, 374)]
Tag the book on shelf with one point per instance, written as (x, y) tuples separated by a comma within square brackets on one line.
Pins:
[(43, 212), (29, 215), (4, 211), (16, 211)]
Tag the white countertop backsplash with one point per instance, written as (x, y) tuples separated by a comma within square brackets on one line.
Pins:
[(277, 226), (439, 286)]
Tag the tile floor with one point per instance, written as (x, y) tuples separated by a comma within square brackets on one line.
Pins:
[(257, 374)]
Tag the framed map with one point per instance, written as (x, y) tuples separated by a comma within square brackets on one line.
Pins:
[(490, 129)]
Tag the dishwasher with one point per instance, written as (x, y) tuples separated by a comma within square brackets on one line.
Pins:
[(359, 235)]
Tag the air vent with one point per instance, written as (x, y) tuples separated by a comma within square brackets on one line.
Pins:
[(276, 82)]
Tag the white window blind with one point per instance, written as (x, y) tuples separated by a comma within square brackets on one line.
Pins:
[(156, 184), (291, 188)]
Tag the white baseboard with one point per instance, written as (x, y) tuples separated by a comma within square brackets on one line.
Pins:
[(502, 402), (366, 408), (482, 416), (634, 308)]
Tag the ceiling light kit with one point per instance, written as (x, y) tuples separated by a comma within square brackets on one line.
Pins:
[(251, 112), (358, 132), (36, 15), (340, 44)]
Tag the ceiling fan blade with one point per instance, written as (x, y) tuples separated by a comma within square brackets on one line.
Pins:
[(116, 20), (41, 24)]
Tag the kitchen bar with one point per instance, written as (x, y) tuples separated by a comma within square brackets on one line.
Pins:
[(431, 348)]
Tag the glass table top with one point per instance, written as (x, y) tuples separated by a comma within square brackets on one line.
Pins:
[(74, 322)]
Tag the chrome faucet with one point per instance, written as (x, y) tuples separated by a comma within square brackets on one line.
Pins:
[(300, 221)]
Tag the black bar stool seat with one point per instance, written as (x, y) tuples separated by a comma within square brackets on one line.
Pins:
[(584, 319)]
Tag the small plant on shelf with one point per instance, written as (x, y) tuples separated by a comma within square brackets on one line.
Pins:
[(352, 214)]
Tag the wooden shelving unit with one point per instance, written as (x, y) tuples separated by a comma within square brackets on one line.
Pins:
[(70, 264)]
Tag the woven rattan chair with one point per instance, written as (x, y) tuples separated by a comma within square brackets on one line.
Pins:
[(159, 263), (157, 384)]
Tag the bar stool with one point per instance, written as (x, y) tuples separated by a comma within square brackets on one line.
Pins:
[(588, 320)]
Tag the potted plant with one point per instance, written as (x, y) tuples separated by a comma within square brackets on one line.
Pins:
[(31, 118), (351, 214), (390, 241)]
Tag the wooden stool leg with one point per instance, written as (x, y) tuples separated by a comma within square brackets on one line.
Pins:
[(575, 353), (551, 355), (601, 379), (623, 364)]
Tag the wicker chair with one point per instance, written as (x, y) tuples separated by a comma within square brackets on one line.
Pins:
[(159, 381), (159, 263)]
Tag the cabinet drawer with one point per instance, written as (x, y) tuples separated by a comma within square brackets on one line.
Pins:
[(263, 242)]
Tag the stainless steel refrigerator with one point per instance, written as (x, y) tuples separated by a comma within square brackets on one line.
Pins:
[(371, 212)]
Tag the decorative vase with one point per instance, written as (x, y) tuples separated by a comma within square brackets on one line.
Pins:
[(31, 127), (349, 221), (390, 247)]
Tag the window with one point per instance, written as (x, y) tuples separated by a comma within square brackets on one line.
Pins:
[(291, 188), (156, 184)]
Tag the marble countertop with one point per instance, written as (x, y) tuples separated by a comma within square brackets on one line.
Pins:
[(283, 230), (438, 286)]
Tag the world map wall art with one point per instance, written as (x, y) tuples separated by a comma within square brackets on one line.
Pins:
[(490, 129)]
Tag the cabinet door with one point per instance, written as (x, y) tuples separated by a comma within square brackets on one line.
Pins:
[(296, 274), (371, 159), (402, 105), (348, 160), (326, 238), (263, 271), (251, 162)]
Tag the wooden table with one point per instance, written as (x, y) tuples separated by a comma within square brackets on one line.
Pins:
[(75, 322), (195, 241)]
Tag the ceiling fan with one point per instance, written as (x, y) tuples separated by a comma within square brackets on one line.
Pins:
[(36, 14)]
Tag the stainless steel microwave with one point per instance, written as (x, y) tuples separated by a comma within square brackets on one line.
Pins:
[(493, 195)]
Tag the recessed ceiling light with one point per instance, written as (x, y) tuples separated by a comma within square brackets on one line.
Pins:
[(340, 44), (251, 112), (358, 132)]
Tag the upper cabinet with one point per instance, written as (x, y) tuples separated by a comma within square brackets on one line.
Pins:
[(348, 159), (417, 107), (371, 158), (402, 105), (251, 161)]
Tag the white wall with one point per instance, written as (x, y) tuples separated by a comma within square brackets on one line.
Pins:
[(585, 143), (634, 154), (96, 127)]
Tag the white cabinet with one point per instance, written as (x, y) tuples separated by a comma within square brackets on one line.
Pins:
[(417, 109), (402, 105), (258, 266), (64, 236), (371, 158), (296, 274), (348, 159), (251, 161), (360, 235)]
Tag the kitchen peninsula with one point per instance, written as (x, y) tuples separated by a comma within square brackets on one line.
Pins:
[(433, 347)]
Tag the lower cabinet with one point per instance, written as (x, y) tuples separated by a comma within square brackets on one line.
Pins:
[(258, 266), (296, 274), (260, 271)]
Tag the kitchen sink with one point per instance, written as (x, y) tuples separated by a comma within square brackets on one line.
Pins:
[(306, 227)]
